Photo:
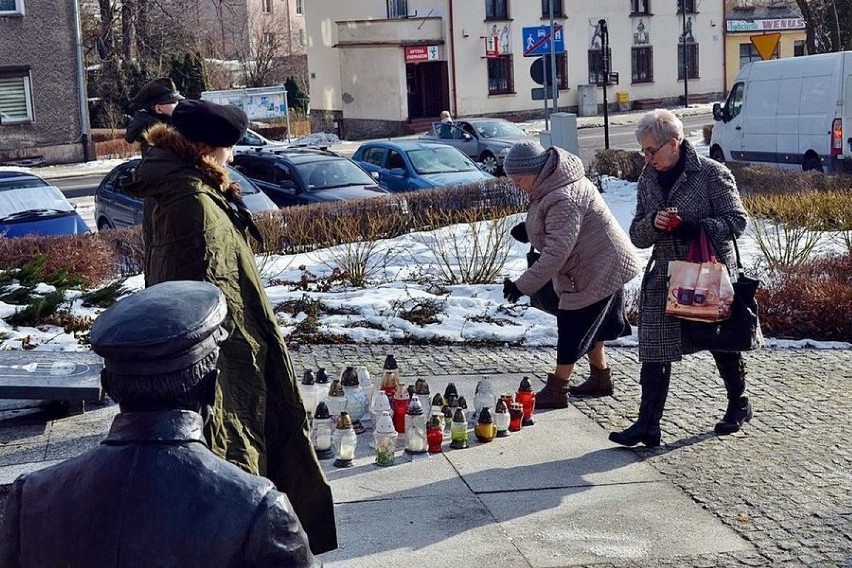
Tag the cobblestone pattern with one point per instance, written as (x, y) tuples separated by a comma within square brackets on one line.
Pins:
[(784, 483)]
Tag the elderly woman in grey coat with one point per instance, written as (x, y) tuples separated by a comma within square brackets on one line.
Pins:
[(704, 194), (584, 252)]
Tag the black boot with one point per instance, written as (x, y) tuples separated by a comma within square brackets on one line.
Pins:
[(654, 379), (732, 369)]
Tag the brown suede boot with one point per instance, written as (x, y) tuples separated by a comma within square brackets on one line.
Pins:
[(554, 394), (599, 383)]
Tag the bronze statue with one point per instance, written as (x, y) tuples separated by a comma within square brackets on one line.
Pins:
[(153, 494)]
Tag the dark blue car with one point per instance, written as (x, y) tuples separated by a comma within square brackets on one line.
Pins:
[(408, 165), (31, 206)]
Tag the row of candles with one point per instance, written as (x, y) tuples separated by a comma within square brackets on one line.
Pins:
[(337, 409)]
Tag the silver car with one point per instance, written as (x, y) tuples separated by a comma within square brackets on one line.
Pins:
[(486, 140)]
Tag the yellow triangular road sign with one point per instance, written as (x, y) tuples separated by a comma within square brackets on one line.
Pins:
[(765, 44)]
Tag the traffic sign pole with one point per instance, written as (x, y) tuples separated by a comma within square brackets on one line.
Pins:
[(553, 60), (605, 61)]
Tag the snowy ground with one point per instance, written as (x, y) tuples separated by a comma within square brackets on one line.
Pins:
[(405, 275)]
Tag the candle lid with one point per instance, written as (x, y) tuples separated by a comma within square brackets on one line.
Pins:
[(414, 407), (450, 391), (501, 407), (344, 422), (400, 393), (436, 420), (438, 400), (525, 385), (459, 416), (485, 416), (462, 402), (385, 424), (321, 412), (421, 386), (390, 363), (349, 378), (336, 389), (322, 376), (308, 377)]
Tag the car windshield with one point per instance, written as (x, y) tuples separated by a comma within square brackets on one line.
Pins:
[(498, 129), (339, 172), (439, 160), (35, 201), (21, 182), (246, 187)]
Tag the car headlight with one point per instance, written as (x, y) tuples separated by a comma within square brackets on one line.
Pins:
[(504, 151)]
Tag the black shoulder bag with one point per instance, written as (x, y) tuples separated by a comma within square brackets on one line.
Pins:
[(741, 331)]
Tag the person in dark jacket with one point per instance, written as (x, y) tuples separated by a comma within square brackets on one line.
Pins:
[(704, 194), (200, 231), (153, 494), (584, 253), (156, 101)]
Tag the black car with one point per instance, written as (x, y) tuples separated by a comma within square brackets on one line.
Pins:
[(115, 208), (300, 176)]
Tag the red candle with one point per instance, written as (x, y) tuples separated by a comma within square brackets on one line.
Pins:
[(435, 436), (400, 409), (516, 416), (526, 397)]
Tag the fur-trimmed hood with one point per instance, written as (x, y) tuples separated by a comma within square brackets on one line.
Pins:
[(173, 158)]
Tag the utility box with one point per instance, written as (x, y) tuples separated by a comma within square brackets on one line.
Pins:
[(258, 103), (588, 100), (563, 132)]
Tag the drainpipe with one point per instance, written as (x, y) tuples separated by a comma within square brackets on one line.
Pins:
[(455, 105), (725, 45), (85, 128)]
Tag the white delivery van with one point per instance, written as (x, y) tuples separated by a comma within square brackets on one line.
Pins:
[(793, 113)]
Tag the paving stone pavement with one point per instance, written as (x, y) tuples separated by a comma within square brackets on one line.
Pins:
[(784, 483)]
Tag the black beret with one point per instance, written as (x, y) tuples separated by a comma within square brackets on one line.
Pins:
[(157, 92), (160, 330), (220, 126)]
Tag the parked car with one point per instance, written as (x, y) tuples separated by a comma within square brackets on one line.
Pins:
[(299, 176), (407, 165), (486, 140), (31, 206), (254, 142), (115, 208)]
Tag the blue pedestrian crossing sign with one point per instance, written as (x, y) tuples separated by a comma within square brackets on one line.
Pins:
[(537, 40)]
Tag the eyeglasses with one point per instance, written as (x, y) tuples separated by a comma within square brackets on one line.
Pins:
[(651, 153)]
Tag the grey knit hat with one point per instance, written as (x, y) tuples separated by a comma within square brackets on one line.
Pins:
[(527, 157)]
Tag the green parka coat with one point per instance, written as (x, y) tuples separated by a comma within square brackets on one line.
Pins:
[(259, 422)]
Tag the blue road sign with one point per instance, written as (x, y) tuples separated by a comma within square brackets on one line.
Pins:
[(537, 40)]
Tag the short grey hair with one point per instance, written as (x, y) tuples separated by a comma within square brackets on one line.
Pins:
[(661, 125)]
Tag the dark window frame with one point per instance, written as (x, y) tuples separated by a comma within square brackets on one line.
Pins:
[(497, 10), (691, 56), (558, 9), (506, 66), (640, 7), (642, 64), (397, 9), (596, 72), (689, 4)]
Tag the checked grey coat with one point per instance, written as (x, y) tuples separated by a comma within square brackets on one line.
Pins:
[(705, 193), (584, 250)]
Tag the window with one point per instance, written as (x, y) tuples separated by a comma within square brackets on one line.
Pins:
[(8, 7), (691, 60), (798, 48), (299, 8), (734, 104), (597, 73), (16, 105), (690, 6), (268, 40), (557, 9), (748, 53), (267, 6), (496, 9), (374, 155), (640, 7), (302, 38), (500, 78), (397, 9), (642, 64)]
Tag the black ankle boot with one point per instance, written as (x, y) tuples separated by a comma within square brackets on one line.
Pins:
[(654, 379), (738, 411)]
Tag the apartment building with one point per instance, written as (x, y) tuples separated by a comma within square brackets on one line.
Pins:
[(382, 67), (43, 110)]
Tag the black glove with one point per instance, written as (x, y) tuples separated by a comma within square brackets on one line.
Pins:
[(510, 291), (687, 230), (519, 232)]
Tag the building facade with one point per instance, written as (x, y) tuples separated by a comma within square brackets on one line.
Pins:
[(747, 18), (382, 67), (43, 109)]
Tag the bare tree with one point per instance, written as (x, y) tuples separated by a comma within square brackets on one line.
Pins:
[(828, 24)]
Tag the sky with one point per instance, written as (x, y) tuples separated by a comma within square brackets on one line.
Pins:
[(407, 272)]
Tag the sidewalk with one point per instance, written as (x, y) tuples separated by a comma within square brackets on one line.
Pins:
[(558, 493)]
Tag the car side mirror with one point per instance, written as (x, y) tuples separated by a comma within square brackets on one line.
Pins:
[(467, 136), (287, 184), (717, 112), (399, 172), (374, 175)]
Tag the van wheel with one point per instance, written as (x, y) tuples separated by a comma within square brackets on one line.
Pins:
[(103, 225), (717, 154), (811, 163)]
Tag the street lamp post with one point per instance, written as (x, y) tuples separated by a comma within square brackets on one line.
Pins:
[(685, 59), (605, 65)]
